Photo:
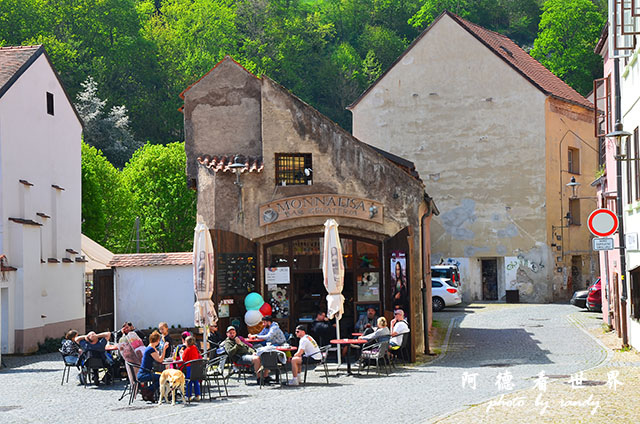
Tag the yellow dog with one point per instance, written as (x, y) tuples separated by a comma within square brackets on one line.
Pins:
[(171, 380)]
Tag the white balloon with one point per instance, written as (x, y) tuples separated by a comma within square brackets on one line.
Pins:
[(252, 318)]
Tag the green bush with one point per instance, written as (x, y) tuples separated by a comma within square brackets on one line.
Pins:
[(50, 345)]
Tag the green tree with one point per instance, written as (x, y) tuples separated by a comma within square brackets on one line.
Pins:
[(105, 202), (155, 179), (568, 33)]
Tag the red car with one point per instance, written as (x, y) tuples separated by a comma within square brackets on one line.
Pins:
[(594, 299)]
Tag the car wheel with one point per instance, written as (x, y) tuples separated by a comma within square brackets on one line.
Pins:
[(438, 304)]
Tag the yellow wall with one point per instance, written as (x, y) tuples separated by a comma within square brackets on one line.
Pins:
[(570, 126)]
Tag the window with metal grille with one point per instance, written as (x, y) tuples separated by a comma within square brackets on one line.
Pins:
[(629, 172), (573, 165), (635, 294), (294, 169)]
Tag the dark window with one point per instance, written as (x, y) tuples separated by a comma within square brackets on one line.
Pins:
[(635, 294), (629, 171), (636, 164), (435, 284), (50, 103), (574, 211), (602, 151), (573, 161), (293, 169)]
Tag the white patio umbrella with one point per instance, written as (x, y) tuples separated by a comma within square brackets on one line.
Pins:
[(205, 311), (333, 270)]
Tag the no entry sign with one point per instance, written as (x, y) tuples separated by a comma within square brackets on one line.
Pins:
[(602, 223)]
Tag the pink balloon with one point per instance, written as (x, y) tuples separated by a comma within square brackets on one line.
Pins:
[(265, 309)]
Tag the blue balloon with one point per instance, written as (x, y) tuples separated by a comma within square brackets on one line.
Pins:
[(253, 301)]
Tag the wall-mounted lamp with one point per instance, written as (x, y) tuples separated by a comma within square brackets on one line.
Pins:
[(237, 167), (574, 185)]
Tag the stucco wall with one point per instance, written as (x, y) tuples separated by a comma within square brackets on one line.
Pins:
[(476, 130), (148, 295), (44, 150)]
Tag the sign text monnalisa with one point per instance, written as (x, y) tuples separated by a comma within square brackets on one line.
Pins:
[(320, 205)]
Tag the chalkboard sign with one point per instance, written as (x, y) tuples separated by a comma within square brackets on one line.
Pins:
[(236, 273)]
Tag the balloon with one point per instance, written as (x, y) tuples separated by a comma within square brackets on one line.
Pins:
[(252, 318), (253, 301), (265, 309)]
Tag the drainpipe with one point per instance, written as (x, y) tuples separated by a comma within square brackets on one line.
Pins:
[(425, 304), (621, 241)]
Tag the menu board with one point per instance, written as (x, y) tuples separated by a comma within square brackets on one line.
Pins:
[(236, 273)]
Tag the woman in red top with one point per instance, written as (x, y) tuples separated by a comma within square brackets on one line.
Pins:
[(189, 354)]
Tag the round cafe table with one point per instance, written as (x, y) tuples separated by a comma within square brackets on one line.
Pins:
[(111, 347), (286, 348), (356, 334), (348, 342)]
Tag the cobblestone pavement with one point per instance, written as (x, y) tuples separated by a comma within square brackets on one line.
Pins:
[(484, 339)]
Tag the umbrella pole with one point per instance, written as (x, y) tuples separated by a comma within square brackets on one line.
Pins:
[(339, 346), (205, 341)]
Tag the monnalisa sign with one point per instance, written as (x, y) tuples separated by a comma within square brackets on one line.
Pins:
[(320, 205)]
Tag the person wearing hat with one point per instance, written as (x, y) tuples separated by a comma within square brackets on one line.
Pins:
[(271, 332), (399, 326), (177, 354), (241, 353), (307, 349)]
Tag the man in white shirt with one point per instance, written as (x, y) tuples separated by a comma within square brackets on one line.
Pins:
[(399, 327), (307, 348)]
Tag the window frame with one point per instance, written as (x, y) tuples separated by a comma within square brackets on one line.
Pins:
[(295, 176), (50, 104), (575, 217), (573, 160)]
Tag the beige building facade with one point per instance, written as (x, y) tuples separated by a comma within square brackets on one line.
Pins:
[(490, 131), (269, 171)]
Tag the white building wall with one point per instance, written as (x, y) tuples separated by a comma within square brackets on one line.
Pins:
[(152, 294), (43, 150)]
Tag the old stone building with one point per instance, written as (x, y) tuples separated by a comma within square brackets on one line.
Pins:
[(497, 137), (269, 170)]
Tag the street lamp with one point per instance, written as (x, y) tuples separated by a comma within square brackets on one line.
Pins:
[(574, 185), (617, 135), (237, 167)]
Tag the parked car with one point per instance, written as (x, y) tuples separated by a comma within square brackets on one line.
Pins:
[(579, 298), (594, 299), (444, 293), (447, 271)]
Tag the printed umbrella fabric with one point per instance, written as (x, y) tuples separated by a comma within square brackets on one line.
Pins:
[(205, 311), (333, 269)]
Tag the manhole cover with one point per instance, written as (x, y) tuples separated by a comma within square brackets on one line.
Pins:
[(9, 408), (498, 365)]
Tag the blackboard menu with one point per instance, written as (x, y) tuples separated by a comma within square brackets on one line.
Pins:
[(236, 273)]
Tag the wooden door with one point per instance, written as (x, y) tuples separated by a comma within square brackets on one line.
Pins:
[(99, 308)]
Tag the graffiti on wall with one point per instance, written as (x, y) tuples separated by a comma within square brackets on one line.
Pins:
[(521, 261)]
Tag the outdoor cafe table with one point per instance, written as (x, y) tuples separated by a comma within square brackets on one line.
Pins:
[(111, 347), (348, 342), (356, 334)]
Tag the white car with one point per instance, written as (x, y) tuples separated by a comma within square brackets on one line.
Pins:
[(444, 293)]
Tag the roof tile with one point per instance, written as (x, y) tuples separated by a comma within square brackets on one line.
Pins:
[(151, 259), (12, 59), (221, 163)]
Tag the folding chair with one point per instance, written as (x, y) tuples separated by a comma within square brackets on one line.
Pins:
[(133, 386), (91, 370), (215, 371), (324, 350), (375, 352), (198, 374), (240, 369), (67, 365), (271, 361), (402, 351)]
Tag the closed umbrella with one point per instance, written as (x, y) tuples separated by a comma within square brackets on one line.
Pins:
[(205, 311), (333, 270)]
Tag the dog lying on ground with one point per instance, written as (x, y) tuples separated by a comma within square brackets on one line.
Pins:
[(171, 380)]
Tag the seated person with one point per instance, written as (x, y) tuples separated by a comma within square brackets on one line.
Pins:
[(367, 320), (165, 338), (146, 373), (271, 332), (307, 348), (322, 329), (93, 345), (215, 339), (381, 333), (70, 349), (177, 354), (399, 326), (239, 352), (189, 354), (126, 328)]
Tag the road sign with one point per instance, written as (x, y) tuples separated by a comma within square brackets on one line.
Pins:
[(604, 243), (602, 223)]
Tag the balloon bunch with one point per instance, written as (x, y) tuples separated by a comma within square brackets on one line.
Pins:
[(256, 309)]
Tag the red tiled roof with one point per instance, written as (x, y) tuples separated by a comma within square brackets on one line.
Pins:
[(511, 53), (13, 62), (151, 259), (221, 163)]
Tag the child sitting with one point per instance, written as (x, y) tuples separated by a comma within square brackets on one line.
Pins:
[(70, 349), (189, 354)]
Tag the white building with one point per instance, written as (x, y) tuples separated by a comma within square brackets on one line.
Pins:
[(153, 287), (41, 285)]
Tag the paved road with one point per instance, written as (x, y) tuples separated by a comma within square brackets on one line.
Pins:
[(522, 340)]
